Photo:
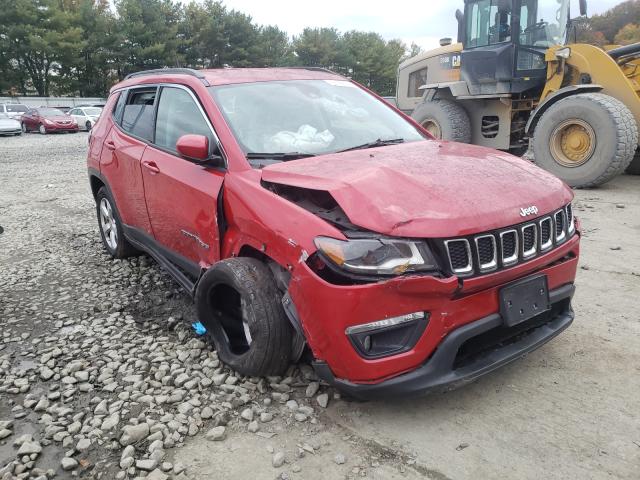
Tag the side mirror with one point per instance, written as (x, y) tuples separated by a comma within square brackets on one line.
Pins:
[(583, 8), (196, 149)]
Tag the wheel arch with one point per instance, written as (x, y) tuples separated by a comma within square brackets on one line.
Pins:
[(554, 98)]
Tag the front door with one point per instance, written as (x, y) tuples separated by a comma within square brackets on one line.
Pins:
[(181, 195)]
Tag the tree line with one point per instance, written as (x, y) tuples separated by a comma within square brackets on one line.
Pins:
[(83, 47), (618, 25)]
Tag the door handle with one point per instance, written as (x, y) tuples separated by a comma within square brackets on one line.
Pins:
[(110, 145), (151, 166)]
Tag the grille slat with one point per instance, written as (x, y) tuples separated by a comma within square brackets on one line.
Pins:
[(459, 255), (506, 248), (559, 221)]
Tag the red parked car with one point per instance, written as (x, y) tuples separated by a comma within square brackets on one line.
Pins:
[(307, 216), (47, 120)]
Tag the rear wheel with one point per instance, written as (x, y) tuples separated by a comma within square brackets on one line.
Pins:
[(237, 300), (444, 119), (634, 166), (585, 139), (110, 224)]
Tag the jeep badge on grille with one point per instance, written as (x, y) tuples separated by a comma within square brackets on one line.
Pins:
[(525, 212)]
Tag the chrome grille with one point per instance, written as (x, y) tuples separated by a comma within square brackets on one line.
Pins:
[(487, 254), (491, 251), (529, 240), (509, 242), (459, 256), (558, 218), (571, 226), (546, 241)]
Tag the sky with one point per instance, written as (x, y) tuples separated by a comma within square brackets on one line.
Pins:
[(422, 22)]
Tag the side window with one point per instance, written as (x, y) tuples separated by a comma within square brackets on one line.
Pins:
[(416, 80), (74, 111), (137, 117), (119, 107), (178, 115), (488, 23)]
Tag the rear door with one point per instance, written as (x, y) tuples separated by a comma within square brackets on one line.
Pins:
[(181, 195), (122, 151)]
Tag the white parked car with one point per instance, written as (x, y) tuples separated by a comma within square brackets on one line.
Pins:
[(9, 126), (13, 110), (86, 117)]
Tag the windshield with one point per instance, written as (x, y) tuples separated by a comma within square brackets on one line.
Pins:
[(543, 23), (50, 112), (308, 117), (16, 108), (92, 111)]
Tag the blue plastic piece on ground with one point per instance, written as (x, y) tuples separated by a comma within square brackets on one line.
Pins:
[(199, 328)]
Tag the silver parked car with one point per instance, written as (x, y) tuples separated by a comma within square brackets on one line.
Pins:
[(86, 117), (13, 110), (9, 126)]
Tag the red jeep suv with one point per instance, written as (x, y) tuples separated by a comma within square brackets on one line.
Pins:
[(305, 215)]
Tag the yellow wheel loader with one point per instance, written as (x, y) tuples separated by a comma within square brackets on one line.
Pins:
[(515, 81)]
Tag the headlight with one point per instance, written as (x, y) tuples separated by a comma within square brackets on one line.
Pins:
[(377, 256), (563, 52), (48, 122)]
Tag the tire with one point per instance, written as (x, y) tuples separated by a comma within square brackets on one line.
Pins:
[(42, 129), (634, 166), (610, 138), (24, 128), (88, 126), (113, 237), (444, 119), (237, 296)]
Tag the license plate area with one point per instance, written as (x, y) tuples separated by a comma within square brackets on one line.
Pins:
[(524, 300)]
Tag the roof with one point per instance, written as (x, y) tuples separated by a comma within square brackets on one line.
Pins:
[(227, 76)]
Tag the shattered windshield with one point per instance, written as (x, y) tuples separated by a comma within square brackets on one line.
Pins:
[(308, 117)]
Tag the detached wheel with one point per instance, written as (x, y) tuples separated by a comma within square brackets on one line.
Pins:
[(444, 119), (586, 139), (634, 166), (42, 130), (237, 300), (110, 225)]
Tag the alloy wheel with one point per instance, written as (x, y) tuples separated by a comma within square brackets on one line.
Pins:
[(108, 224), (42, 130)]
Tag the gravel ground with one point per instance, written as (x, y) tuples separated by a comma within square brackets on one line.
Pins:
[(101, 375), (100, 372)]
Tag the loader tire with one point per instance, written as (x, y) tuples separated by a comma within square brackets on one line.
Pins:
[(444, 119), (586, 139), (634, 166)]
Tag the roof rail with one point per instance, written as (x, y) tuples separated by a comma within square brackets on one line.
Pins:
[(317, 69), (169, 71)]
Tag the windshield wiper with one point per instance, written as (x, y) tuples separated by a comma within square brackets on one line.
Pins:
[(377, 143), (278, 156)]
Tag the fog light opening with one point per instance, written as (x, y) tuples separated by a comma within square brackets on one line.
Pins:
[(389, 336)]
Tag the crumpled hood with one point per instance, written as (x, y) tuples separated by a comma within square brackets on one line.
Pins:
[(428, 188)]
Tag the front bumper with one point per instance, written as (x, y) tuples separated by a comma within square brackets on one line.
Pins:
[(10, 131), (324, 311), (61, 128), (452, 365)]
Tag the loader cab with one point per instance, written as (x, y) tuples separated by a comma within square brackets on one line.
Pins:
[(504, 43)]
